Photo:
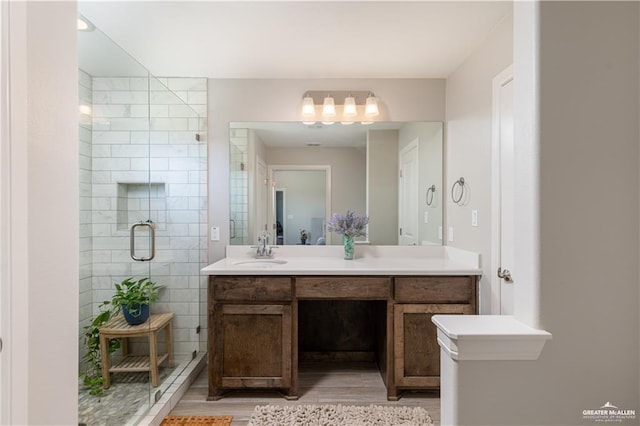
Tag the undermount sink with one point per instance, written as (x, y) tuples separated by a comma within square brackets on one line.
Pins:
[(260, 262)]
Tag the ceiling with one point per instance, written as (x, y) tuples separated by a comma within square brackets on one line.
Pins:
[(297, 39)]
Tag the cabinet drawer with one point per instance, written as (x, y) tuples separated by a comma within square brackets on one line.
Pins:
[(249, 288), (361, 288), (435, 289)]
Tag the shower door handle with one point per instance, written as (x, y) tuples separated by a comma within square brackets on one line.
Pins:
[(152, 238), (232, 228)]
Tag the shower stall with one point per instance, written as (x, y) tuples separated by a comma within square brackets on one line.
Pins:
[(143, 214)]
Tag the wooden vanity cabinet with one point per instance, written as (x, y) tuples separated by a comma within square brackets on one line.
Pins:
[(252, 339), (253, 326), (416, 349)]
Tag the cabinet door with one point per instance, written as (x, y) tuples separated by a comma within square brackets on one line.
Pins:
[(416, 350), (253, 346)]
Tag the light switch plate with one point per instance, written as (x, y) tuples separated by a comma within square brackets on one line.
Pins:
[(426, 217), (440, 232), (474, 217), (215, 233), (451, 233)]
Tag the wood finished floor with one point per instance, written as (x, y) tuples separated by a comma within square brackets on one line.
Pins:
[(345, 383)]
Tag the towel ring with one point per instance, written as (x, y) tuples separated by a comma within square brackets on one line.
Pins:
[(459, 182), (430, 191)]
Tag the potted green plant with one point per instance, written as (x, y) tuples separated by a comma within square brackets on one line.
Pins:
[(135, 297), (92, 375)]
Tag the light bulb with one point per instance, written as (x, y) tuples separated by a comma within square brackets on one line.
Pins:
[(328, 107), (350, 109), (308, 108), (371, 107)]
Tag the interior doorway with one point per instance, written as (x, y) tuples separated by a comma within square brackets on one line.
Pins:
[(408, 195)]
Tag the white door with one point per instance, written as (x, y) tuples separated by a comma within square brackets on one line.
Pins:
[(503, 127), (408, 195)]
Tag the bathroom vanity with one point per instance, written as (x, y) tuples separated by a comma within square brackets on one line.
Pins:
[(257, 309)]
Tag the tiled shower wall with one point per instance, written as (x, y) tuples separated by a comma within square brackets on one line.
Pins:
[(239, 185), (86, 254), (134, 143)]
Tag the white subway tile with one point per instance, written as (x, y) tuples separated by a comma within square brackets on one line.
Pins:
[(188, 190), (159, 110), (101, 230), (138, 164), (101, 151), (101, 203), (159, 164), (104, 190), (196, 98), (129, 177), (101, 164), (102, 217), (129, 124), (111, 111), (177, 203), (159, 137), (170, 151), (182, 216), (139, 111), (128, 97), (111, 83), (201, 110), (182, 137), (187, 83), (110, 137), (184, 243), (158, 83), (184, 111), (139, 83), (164, 97), (101, 256), (111, 243), (129, 150), (84, 79), (187, 163), (140, 137), (84, 162), (169, 124)]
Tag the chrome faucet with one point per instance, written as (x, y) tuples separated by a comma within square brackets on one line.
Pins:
[(263, 250)]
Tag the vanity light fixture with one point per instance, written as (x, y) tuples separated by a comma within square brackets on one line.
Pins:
[(348, 107)]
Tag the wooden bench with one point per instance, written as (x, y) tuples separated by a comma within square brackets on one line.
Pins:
[(118, 328)]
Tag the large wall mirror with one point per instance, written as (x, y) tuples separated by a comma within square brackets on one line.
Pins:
[(286, 177)]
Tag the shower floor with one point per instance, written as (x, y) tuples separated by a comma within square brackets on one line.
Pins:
[(123, 402)]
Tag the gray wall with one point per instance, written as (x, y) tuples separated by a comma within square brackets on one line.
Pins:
[(580, 261), (382, 188), (468, 147)]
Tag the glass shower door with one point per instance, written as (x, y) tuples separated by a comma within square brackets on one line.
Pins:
[(143, 216)]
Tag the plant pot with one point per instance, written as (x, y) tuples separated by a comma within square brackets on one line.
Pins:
[(137, 315)]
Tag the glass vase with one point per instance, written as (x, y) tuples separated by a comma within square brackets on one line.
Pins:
[(347, 242)]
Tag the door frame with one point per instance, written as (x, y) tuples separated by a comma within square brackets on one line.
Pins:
[(303, 167), (499, 81)]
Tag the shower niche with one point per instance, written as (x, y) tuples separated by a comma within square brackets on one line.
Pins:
[(139, 202)]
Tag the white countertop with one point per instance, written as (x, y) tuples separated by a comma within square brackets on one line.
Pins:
[(370, 260)]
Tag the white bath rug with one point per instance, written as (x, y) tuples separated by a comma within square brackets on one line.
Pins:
[(339, 415)]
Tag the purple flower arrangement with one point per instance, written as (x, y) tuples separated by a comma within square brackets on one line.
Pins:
[(348, 224)]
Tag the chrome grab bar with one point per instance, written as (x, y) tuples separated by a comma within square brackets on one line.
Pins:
[(152, 237)]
